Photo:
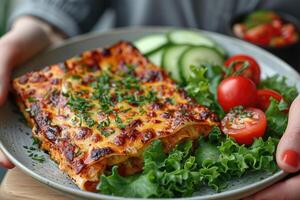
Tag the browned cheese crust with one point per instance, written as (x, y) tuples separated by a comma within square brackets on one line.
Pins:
[(103, 108)]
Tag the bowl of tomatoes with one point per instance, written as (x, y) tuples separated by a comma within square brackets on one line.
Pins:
[(276, 32)]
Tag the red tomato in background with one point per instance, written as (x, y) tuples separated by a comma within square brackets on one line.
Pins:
[(263, 98), (277, 24), (261, 34), (252, 72), (245, 125), (236, 91), (289, 33)]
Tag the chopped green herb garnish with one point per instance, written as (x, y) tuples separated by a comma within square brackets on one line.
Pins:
[(33, 151), (125, 110), (32, 148), (76, 77), (119, 122), (39, 158), (79, 104), (107, 133), (90, 122), (81, 107), (169, 100), (142, 111), (104, 123), (35, 141), (32, 99), (77, 152)]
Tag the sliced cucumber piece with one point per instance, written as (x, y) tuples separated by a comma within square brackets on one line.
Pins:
[(156, 56), (193, 38), (170, 60), (221, 50), (151, 43), (189, 37), (197, 56)]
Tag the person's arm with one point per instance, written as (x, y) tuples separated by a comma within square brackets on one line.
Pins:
[(27, 37)]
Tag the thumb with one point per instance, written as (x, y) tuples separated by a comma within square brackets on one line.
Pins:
[(288, 150)]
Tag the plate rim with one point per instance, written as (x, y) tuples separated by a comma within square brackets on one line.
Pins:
[(118, 31)]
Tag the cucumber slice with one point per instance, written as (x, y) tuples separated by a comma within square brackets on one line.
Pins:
[(151, 43), (189, 37), (193, 38), (170, 60), (197, 56), (156, 56)]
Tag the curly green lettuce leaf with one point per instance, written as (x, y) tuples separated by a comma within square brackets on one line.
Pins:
[(131, 186), (198, 86), (220, 158), (202, 86), (163, 175), (206, 153), (276, 119), (215, 160), (237, 159), (154, 156), (140, 185), (176, 175), (279, 84)]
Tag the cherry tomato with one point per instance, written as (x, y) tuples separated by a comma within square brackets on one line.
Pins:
[(253, 70), (263, 98), (244, 124), (289, 33), (277, 23), (236, 91), (260, 34)]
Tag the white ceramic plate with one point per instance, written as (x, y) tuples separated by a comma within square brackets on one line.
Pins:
[(14, 134)]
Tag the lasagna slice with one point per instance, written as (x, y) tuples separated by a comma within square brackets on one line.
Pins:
[(103, 108)]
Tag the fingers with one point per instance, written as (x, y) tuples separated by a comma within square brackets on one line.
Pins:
[(288, 150), (27, 37), (32, 36), (4, 84), (289, 189), (4, 81), (4, 162)]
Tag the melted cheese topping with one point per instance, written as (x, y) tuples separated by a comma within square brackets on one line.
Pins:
[(104, 108)]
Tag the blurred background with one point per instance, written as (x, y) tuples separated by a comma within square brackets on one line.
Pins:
[(6, 6)]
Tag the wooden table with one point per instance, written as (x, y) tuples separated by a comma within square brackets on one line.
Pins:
[(18, 186)]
